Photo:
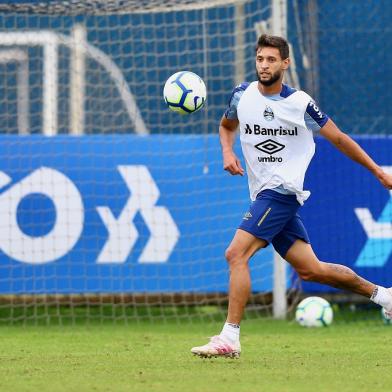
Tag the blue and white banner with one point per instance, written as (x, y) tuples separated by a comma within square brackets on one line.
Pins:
[(155, 214), (349, 214), (118, 214)]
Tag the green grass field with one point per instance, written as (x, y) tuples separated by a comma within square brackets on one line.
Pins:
[(277, 356)]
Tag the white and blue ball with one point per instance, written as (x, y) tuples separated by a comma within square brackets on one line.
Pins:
[(185, 92), (314, 312)]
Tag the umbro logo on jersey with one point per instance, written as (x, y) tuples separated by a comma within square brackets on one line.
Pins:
[(268, 114), (270, 146)]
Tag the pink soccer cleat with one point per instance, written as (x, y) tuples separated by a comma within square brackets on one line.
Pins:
[(217, 347)]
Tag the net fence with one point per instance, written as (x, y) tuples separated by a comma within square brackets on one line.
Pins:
[(130, 218), (115, 222)]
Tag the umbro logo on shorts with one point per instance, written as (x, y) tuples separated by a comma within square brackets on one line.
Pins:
[(247, 216), (270, 146)]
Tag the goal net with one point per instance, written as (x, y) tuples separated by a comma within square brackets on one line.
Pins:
[(112, 207)]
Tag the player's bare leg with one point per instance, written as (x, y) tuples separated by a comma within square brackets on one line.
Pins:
[(310, 268), (242, 248), (227, 343)]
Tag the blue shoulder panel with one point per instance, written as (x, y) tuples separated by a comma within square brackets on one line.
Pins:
[(287, 91), (314, 117), (231, 111)]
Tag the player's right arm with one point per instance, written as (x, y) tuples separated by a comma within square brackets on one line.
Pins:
[(227, 133)]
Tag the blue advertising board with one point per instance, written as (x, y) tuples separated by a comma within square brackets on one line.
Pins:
[(118, 214), (349, 214), (155, 214)]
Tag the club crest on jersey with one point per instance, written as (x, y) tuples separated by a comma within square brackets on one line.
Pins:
[(268, 114)]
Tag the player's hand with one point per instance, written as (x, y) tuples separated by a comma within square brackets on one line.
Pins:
[(232, 164), (385, 179)]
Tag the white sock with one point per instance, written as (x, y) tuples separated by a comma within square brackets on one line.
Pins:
[(231, 332), (382, 297)]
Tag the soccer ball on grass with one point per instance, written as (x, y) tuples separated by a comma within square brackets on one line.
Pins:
[(314, 312), (185, 92)]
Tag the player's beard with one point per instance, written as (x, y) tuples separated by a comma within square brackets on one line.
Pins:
[(274, 78)]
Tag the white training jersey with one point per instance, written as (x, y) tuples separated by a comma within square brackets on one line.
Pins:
[(276, 143)]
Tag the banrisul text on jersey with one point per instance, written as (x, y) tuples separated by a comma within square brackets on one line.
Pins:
[(257, 130)]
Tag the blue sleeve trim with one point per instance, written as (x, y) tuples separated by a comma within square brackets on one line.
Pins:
[(231, 110), (311, 124), (316, 114), (287, 91)]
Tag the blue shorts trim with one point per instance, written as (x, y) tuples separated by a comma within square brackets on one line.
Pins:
[(273, 217)]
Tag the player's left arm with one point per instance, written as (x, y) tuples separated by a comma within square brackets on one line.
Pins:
[(353, 150)]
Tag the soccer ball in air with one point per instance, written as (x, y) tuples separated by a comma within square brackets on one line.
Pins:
[(185, 92), (314, 312)]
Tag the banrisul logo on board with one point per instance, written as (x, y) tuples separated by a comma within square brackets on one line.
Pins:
[(20, 242), (378, 247)]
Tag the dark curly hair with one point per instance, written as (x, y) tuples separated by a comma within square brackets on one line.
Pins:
[(274, 41)]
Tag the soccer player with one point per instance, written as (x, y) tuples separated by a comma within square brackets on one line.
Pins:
[(276, 124)]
